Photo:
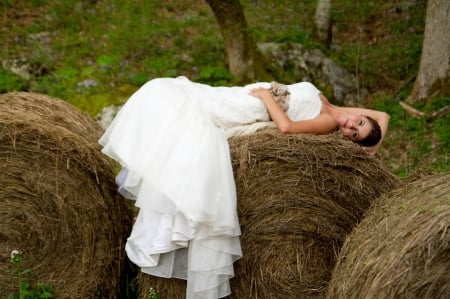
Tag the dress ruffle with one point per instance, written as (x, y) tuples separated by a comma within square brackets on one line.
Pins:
[(176, 164)]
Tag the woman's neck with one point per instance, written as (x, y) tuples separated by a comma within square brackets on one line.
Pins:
[(336, 112)]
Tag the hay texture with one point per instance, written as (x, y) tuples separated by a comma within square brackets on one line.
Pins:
[(298, 198), (402, 248), (58, 200)]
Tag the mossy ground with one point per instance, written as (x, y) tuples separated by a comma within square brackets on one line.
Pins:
[(96, 53)]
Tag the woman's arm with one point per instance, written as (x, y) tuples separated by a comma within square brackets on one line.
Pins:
[(322, 124)]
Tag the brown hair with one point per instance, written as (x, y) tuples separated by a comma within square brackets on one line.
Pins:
[(374, 135)]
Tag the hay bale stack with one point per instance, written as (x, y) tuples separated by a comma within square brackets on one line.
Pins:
[(402, 248), (58, 200), (298, 198)]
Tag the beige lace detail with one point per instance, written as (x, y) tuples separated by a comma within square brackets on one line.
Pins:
[(280, 92)]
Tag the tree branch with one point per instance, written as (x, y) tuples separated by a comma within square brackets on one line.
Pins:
[(439, 113), (429, 116), (411, 110)]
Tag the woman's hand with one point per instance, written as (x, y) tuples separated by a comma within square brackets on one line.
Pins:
[(261, 93)]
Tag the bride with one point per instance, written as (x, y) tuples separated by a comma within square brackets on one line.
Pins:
[(170, 138)]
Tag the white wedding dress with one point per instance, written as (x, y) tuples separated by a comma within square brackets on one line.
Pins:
[(171, 141)]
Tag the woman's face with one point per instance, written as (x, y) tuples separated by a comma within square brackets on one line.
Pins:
[(355, 127)]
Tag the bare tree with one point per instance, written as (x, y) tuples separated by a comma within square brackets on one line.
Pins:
[(244, 59), (322, 19), (434, 72)]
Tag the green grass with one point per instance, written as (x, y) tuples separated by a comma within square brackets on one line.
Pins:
[(26, 289), (417, 144), (96, 53)]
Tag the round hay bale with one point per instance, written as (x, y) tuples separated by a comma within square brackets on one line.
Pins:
[(401, 249), (58, 201), (298, 198)]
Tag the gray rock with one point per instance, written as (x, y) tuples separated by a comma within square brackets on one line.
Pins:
[(106, 116), (315, 67)]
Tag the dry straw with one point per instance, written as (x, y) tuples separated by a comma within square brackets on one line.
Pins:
[(58, 201), (298, 198), (402, 248)]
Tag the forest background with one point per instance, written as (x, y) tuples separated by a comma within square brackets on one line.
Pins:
[(97, 53)]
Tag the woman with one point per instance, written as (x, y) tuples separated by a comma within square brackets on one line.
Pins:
[(364, 126), (171, 141)]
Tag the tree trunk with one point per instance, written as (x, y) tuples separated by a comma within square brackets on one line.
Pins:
[(244, 60), (434, 73), (322, 20)]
